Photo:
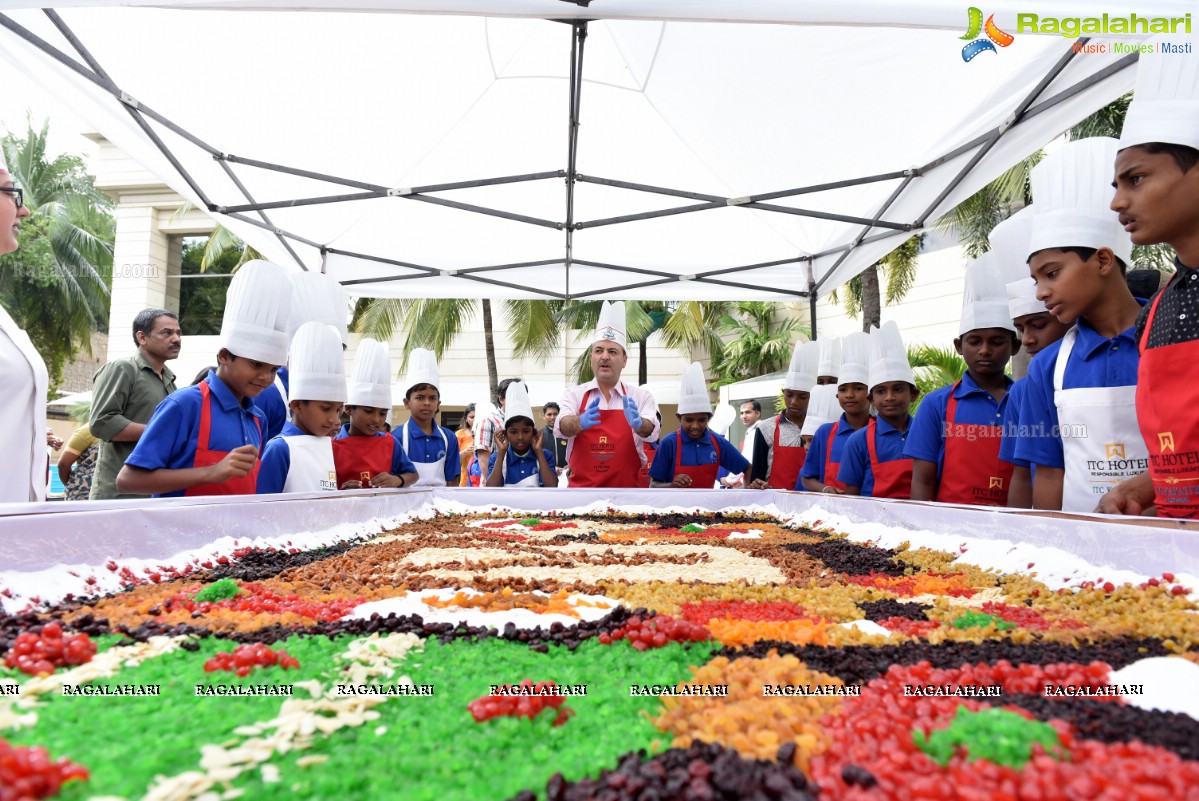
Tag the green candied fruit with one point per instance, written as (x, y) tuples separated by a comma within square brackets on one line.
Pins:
[(996, 735), (530, 521), (972, 620), (218, 591), (691, 528)]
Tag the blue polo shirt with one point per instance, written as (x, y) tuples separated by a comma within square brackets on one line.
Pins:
[(400, 463), (975, 407), (813, 466), (425, 448), (855, 461), (521, 467), (169, 440), (695, 452), (1011, 425), (273, 408), (1096, 361)]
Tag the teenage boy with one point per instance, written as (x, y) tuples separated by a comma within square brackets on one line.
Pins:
[(1035, 327), (1157, 198), (779, 450), (300, 459), (1077, 412), (432, 448), (821, 467), (364, 453), (874, 463), (519, 459), (205, 439), (958, 429), (693, 455)]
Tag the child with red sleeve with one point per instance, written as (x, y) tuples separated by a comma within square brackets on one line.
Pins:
[(365, 454)]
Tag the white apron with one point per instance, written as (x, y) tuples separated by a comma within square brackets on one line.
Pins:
[(432, 474), (528, 481), (23, 408), (283, 394), (1101, 441), (312, 468)]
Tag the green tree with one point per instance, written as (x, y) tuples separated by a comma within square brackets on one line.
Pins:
[(56, 285), (934, 368), (201, 297), (863, 294), (758, 345)]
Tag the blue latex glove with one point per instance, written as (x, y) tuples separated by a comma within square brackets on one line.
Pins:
[(591, 415), (631, 413)]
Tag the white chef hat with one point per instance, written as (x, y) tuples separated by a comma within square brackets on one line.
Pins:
[(1009, 242), (830, 356), (693, 391), (422, 369), (822, 408), (257, 308), (1165, 104), (855, 359), (611, 325), (722, 418), (317, 370), (889, 357), (370, 383), (1072, 190), (517, 403), (321, 298), (805, 360), (984, 297)]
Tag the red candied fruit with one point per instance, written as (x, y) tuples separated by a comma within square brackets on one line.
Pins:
[(245, 658), (912, 628), (36, 653), (259, 599), (656, 632), (515, 705), (27, 774), (759, 611)]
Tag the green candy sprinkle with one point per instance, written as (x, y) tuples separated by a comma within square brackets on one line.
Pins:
[(530, 521), (691, 528), (971, 620), (218, 591), (996, 735)]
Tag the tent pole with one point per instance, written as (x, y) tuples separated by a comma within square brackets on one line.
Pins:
[(578, 36), (812, 297)]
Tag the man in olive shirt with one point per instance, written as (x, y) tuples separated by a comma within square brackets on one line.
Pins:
[(126, 392)]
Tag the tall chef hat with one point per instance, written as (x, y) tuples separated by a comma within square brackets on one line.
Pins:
[(422, 369), (317, 369), (722, 418), (517, 403), (370, 383), (822, 408), (1165, 104), (855, 359), (830, 357), (1009, 243), (805, 360), (1072, 189), (984, 298), (888, 356), (693, 391), (256, 313), (611, 325), (318, 297)]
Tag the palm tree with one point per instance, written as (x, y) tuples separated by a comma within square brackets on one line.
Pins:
[(862, 293), (759, 345), (56, 285), (934, 368)]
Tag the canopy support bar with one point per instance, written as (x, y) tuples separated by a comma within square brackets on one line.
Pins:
[(578, 38)]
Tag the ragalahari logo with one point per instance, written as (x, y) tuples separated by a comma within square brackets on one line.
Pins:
[(994, 36)]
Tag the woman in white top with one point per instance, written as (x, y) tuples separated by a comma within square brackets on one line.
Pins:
[(23, 376)]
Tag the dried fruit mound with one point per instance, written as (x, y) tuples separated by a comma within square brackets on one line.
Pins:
[(28, 774)]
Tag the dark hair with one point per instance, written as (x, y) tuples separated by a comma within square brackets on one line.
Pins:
[(415, 387), (551, 405), (1143, 283), (755, 403), (1084, 254), (501, 391), (200, 376), (143, 323), (470, 407), (521, 419), (1185, 157)]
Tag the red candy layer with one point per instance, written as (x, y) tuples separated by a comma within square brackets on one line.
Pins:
[(36, 653), (704, 611), (655, 632), (259, 599), (28, 774), (245, 658), (521, 706)]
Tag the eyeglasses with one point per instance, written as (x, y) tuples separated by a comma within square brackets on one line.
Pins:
[(18, 195)]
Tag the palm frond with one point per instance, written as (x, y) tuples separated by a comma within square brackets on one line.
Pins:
[(379, 318), (534, 326)]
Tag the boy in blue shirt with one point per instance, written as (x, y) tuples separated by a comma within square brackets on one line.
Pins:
[(1077, 413), (432, 448), (205, 439), (300, 459), (693, 455), (822, 465), (958, 430), (519, 459), (873, 463), (364, 453)]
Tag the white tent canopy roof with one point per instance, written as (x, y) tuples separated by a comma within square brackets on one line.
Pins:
[(426, 154)]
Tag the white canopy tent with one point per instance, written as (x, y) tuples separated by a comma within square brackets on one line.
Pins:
[(759, 150)]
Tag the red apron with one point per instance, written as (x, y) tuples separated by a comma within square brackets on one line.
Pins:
[(892, 479), (362, 458), (972, 472), (605, 455), (831, 468), (786, 461), (703, 476), (649, 449), (247, 484), (1167, 393)]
